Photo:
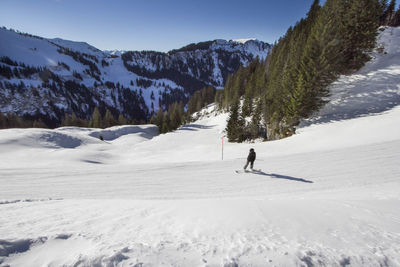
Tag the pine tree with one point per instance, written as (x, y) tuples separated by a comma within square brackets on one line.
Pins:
[(219, 98), (166, 127), (255, 125), (236, 125), (247, 107), (159, 118), (383, 4), (66, 121), (361, 21), (389, 13), (228, 91), (396, 18), (74, 120), (109, 120), (209, 94), (12, 121), (122, 120), (329, 29), (297, 103), (3, 121), (96, 121), (39, 124), (232, 125), (194, 103), (175, 118)]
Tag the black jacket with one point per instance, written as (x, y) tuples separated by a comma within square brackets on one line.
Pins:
[(251, 156)]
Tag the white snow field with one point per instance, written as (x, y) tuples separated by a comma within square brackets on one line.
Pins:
[(327, 196)]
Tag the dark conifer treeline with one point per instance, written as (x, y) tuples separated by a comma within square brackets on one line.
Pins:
[(200, 99), (171, 119), (14, 121), (96, 121), (292, 82), (175, 115)]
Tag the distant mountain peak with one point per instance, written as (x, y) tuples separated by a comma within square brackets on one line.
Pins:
[(228, 45), (244, 40)]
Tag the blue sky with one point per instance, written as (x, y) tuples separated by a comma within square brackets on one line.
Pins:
[(159, 25)]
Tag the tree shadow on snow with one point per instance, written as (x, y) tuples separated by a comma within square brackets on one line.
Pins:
[(280, 176), (195, 127), (92, 161)]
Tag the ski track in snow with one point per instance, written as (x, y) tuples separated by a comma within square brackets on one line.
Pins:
[(122, 202), (327, 196)]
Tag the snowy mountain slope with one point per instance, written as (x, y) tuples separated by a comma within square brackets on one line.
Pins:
[(44, 78), (327, 196), (78, 46), (33, 51), (208, 62), (373, 89)]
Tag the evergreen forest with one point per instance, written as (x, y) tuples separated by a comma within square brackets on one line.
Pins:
[(268, 98)]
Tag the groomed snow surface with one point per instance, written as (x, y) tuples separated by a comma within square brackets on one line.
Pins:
[(327, 196)]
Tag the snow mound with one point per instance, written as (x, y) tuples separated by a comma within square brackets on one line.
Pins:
[(45, 138), (109, 134), (16, 246), (58, 140), (72, 137)]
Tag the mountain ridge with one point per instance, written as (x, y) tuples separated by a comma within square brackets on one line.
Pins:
[(74, 77)]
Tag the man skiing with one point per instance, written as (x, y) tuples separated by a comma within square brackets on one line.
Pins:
[(250, 159)]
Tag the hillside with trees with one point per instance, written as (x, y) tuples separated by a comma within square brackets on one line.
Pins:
[(51, 80), (292, 82), (175, 115)]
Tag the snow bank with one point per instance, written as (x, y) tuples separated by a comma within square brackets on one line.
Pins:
[(145, 131)]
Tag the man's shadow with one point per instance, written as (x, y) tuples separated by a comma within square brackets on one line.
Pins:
[(280, 176)]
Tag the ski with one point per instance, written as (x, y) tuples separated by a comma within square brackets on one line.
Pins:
[(247, 171)]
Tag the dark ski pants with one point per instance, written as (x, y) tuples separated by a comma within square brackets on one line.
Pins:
[(247, 164)]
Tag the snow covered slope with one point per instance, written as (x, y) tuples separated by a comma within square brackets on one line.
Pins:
[(373, 89), (327, 196), (324, 197)]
